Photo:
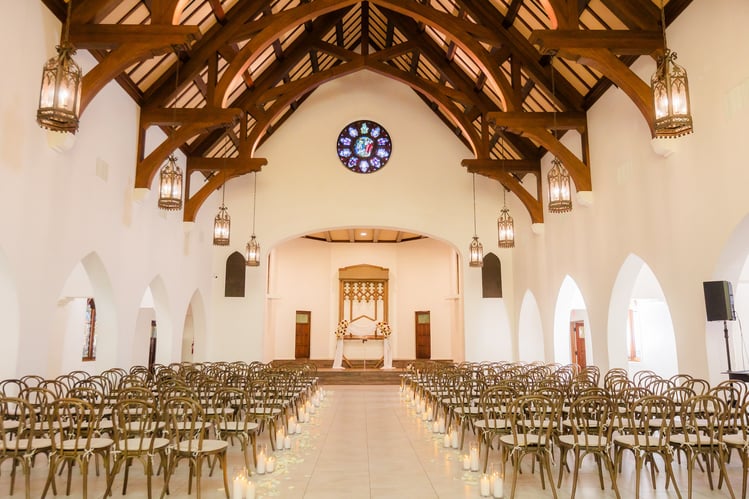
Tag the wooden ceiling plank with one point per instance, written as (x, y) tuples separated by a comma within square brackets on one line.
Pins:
[(218, 11), (635, 14), (506, 165), (364, 24), (512, 13)]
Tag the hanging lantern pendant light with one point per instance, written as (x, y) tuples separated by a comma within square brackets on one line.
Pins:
[(670, 87), (560, 194), (170, 185), (475, 249), (60, 93), (252, 251), (505, 224), (222, 223)]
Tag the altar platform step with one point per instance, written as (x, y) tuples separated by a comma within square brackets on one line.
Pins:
[(358, 374)]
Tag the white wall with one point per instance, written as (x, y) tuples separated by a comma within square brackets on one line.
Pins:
[(304, 188), (676, 213), (62, 209), (306, 278)]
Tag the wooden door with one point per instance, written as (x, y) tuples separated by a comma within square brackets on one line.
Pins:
[(577, 343), (301, 351), (423, 336)]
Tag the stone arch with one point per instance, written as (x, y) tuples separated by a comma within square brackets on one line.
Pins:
[(570, 306), (530, 330)]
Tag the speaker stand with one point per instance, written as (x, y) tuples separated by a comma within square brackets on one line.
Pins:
[(728, 350)]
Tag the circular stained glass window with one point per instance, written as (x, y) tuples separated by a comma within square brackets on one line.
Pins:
[(364, 146)]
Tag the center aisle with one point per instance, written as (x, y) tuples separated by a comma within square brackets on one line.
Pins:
[(366, 444)]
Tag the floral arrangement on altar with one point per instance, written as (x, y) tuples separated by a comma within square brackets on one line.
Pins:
[(340, 331), (383, 328)]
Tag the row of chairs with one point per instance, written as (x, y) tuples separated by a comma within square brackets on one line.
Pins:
[(523, 409), (184, 412)]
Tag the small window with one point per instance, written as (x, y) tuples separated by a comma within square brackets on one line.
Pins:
[(491, 277), (235, 274), (633, 334), (89, 335)]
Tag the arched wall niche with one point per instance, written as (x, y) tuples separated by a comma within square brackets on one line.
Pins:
[(638, 304), (87, 279), (570, 306), (154, 306), (530, 330)]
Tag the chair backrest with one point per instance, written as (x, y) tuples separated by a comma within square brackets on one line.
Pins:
[(591, 418), (185, 422), (533, 414), (72, 418), (496, 402), (651, 420), (17, 424), (11, 387), (39, 398), (702, 416), (135, 424)]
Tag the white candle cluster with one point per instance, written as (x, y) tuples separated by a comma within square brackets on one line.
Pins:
[(243, 487)]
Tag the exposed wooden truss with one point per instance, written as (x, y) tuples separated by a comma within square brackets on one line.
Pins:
[(220, 76)]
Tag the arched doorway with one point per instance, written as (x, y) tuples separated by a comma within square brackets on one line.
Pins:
[(572, 337)]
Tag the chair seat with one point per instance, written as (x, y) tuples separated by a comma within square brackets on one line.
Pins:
[(736, 440), (593, 441), (691, 440), (236, 426), (10, 425), (468, 411), (21, 444), (209, 446), (645, 441), (134, 427), (493, 424), (96, 444), (524, 440), (136, 445)]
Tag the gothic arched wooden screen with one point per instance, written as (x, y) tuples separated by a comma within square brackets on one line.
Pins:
[(363, 297)]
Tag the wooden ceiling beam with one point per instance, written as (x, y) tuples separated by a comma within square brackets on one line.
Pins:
[(195, 116), (562, 13), (532, 204), (163, 90), (512, 13), (92, 11), (110, 36), (635, 14), (201, 164), (484, 166), (565, 95), (620, 42), (519, 121)]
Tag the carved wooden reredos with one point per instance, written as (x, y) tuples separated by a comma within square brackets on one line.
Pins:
[(363, 296)]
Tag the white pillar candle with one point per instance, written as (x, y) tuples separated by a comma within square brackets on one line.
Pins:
[(270, 464), (474, 456), (298, 428), (429, 414), (279, 439), (287, 442), (424, 416), (442, 425), (291, 424), (446, 441), (435, 427), (485, 486), (497, 486), (261, 463), (306, 417), (466, 462), (238, 488), (249, 491), (454, 438)]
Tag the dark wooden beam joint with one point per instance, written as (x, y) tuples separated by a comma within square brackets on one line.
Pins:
[(110, 36), (206, 117), (199, 163), (620, 42), (521, 121)]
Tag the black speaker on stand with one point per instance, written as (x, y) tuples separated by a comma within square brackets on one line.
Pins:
[(719, 307)]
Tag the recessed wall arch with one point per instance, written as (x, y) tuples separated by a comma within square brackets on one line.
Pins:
[(530, 330), (639, 305), (570, 306)]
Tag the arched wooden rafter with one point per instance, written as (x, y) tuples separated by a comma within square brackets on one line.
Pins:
[(287, 20)]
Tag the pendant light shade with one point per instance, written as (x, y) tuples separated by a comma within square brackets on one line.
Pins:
[(505, 229), (475, 249), (222, 226), (60, 93), (670, 87), (560, 198), (170, 185), (252, 251)]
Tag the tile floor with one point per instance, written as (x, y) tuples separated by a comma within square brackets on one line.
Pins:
[(366, 442)]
